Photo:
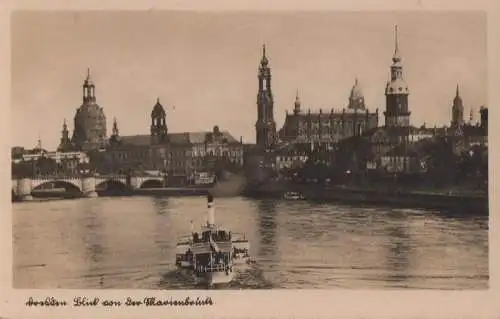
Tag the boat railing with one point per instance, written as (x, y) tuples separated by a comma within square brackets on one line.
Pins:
[(215, 227), (214, 268)]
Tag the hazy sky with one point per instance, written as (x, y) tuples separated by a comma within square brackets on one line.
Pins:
[(205, 64)]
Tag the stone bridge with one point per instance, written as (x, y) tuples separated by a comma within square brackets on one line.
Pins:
[(22, 188)]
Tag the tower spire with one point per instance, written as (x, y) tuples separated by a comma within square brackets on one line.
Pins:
[(264, 61), (396, 58), (88, 79), (39, 142), (396, 38), (296, 110), (458, 93)]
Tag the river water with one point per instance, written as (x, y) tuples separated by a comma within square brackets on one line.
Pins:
[(129, 242)]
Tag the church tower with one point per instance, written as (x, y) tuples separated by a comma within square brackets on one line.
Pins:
[(265, 127), (65, 144), (158, 124), (457, 111), (114, 139), (396, 92)]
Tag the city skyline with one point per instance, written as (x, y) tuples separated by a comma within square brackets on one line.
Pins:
[(307, 51)]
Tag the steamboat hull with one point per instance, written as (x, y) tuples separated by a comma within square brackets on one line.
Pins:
[(215, 277)]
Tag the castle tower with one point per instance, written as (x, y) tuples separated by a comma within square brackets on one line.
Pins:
[(65, 144), (396, 92), (457, 111), (90, 122), (265, 127), (296, 109), (356, 98), (158, 124)]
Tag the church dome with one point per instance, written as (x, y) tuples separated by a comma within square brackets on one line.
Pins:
[(356, 98), (158, 109), (356, 91), (397, 86)]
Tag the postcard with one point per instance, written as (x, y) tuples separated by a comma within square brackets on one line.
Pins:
[(173, 161)]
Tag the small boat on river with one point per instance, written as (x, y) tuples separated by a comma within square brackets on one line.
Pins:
[(293, 196), (212, 251)]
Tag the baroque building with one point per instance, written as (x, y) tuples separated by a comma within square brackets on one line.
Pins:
[(90, 122), (180, 155), (329, 127)]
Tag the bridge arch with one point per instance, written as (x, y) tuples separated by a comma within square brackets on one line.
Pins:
[(111, 184), (152, 183), (69, 185)]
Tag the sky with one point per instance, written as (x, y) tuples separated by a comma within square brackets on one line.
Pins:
[(203, 66)]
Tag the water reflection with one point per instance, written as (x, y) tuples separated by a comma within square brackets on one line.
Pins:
[(398, 257), (267, 226), (130, 242), (161, 205), (93, 231)]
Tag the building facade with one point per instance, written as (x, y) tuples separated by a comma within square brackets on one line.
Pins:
[(39, 162), (180, 155), (331, 126)]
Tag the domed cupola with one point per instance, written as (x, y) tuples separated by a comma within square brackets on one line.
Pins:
[(397, 84), (158, 109), (356, 98), (458, 98), (158, 124)]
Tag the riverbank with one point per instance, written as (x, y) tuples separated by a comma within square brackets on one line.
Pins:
[(466, 202)]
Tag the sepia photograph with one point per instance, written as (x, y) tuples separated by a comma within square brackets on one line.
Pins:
[(183, 150)]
